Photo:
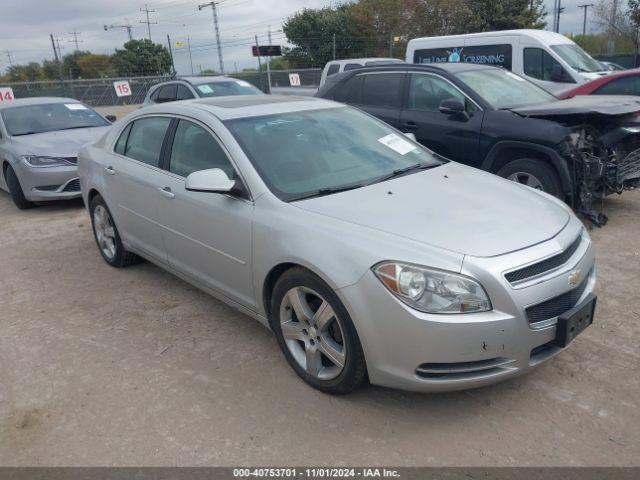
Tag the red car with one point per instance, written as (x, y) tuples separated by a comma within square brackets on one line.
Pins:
[(626, 82)]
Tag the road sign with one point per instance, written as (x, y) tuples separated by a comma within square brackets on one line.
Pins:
[(6, 94), (122, 88), (266, 50)]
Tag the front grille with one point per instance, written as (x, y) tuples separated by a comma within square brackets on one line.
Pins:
[(72, 186), (545, 265), (558, 305), (48, 188)]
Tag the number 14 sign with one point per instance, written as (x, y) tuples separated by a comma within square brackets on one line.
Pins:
[(6, 94), (122, 88)]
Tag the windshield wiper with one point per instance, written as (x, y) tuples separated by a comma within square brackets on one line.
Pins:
[(403, 171), (325, 191)]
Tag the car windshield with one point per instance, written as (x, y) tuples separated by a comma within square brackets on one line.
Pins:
[(49, 117), (316, 152), (225, 88), (577, 58), (503, 89)]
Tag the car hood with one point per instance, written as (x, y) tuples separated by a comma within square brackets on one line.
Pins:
[(453, 207), (61, 143), (583, 104)]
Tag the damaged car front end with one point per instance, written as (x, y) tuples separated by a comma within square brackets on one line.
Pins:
[(601, 147)]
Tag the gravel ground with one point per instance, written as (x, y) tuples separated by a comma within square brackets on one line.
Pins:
[(100, 366)]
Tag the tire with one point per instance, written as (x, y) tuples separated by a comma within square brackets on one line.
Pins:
[(107, 237), (15, 190), (535, 173), (331, 342)]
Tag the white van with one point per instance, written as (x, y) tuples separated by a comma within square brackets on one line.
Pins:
[(338, 66), (548, 59)]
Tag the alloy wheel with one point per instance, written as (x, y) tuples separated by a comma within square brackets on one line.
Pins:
[(105, 233), (526, 179), (313, 333)]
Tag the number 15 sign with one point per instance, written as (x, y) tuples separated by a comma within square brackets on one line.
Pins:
[(122, 88), (6, 94)]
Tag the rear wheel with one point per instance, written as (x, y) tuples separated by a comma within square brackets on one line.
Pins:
[(534, 173), (15, 190), (316, 334), (107, 236)]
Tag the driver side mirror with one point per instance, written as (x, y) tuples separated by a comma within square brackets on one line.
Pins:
[(559, 74), (453, 106), (213, 180), (111, 118)]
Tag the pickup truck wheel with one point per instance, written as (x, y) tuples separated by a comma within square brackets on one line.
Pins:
[(534, 173), (15, 190)]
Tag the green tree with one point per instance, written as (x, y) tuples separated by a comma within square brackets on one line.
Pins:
[(311, 32), (50, 69), (25, 73), (95, 66), (140, 58), (70, 67), (276, 63), (489, 15)]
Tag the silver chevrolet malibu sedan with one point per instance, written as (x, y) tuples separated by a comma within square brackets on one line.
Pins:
[(368, 256), (39, 143)]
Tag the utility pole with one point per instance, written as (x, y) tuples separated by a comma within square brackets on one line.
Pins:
[(190, 57), (334, 46), (59, 47), (390, 45), (55, 54), (8, 53), (127, 26), (259, 62), (173, 67), (148, 22), (269, 60), (612, 25), (75, 40), (559, 11), (585, 7), (215, 24)]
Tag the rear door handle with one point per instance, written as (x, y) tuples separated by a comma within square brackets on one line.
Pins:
[(109, 171), (166, 192), (410, 126)]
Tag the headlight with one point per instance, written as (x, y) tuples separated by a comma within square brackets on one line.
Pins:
[(432, 291), (38, 162)]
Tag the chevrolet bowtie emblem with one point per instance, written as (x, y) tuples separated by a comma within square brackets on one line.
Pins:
[(575, 277)]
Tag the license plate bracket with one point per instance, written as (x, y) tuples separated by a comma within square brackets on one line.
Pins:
[(573, 322)]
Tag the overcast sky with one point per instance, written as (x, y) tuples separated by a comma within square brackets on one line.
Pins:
[(25, 26)]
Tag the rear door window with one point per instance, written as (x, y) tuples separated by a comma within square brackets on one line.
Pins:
[(335, 68), (351, 66), (145, 139), (167, 93), (183, 93), (382, 89)]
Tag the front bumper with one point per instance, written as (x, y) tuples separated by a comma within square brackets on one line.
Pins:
[(411, 350), (51, 183)]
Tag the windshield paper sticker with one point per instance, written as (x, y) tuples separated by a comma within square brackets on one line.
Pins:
[(75, 106), (205, 88), (398, 144), (243, 83)]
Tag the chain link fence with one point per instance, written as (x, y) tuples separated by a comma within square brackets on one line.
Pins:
[(101, 93)]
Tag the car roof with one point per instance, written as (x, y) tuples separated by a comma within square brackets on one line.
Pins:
[(365, 60), (442, 66), (22, 102), (544, 36), (195, 80), (244, 106)]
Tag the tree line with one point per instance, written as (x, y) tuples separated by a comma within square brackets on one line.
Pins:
[(136, 58)]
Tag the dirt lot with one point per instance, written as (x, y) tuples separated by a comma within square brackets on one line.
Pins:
[(100, 366)]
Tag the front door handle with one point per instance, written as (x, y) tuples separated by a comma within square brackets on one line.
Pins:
[(109, 170), (166, 192), (410, 126)]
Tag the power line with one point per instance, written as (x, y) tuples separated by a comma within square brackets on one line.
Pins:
[(75, 39), (148, 22), (217, 28)]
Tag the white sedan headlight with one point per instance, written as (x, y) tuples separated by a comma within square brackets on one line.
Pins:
[(39, 162), (432, 291)]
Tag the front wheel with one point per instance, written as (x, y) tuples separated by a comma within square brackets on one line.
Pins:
[(316, 334), (534, 173), (107, 236), (15, 190)]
